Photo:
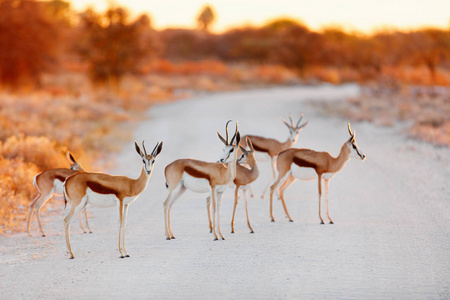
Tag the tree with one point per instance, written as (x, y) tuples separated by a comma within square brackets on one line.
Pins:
[(28, 39), (206, 18), (112, 45)]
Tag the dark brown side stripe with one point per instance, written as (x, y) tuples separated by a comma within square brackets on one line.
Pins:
[(60, 178), (303, 163), (98, 188), (260, 149), (196, 173)]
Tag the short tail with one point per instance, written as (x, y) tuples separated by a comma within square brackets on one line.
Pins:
[(167, 186)]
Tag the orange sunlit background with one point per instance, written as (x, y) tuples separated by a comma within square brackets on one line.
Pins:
[(75, 75)]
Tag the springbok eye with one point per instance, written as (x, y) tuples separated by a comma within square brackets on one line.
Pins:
[(354, 147), (232, 149)]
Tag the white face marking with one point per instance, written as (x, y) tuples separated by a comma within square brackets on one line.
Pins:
[(355, 152), (227, 154), (293, 134)]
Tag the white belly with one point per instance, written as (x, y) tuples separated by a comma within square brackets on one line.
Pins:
[(303, 174), (101, 200), (198, 185)]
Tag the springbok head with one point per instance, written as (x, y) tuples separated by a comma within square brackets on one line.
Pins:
[(230, 146), (246, 154), (148, 159), (353, 146), (73, 163), (294, 130)]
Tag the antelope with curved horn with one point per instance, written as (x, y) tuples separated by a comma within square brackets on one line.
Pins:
[(49, 183), (272, 147), (202, 177), (104, 190), (244, 177), (305, 164)]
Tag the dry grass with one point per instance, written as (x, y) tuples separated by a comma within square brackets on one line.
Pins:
[(424, 109)]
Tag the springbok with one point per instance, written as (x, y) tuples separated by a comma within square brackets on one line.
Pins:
[(202, 177), (104, 190), (244, 177), (272, 147), (305, 164), (49, 183)]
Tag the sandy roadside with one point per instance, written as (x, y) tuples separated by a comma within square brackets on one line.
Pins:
[(391, 237)]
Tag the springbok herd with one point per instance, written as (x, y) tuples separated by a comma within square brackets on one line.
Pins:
[(236, 167)]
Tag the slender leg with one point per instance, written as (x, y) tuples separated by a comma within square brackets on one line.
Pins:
[(320, 198), (246, 210), (290, 180), (171, 198), (38, 211), (81, 224), (74, 211), (273, 162), (327, 185), (273, 188), (87, 220), (214, 207), (236, 197), (121, 211), (125, 214), (208, 208), (30, 212), (219, 202)]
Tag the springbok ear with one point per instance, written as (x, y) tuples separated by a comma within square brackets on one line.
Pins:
[(138, 150), (238, 138), (250, 145), (222, 139), (70, 157), (158, 149), (286, 123), (303, 125), (243, 150)]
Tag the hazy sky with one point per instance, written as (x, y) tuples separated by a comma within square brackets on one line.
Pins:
[(363, 15)]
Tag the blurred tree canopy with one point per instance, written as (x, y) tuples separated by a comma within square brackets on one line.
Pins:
[(28, 39), (206, 18), (38, 37), (111, 44)]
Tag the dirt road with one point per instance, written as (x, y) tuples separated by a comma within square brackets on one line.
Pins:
[(391, 237)]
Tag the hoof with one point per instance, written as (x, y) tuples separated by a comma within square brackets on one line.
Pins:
[(216, 239), (223, 239), (273, 220), (321, 223), (168, 238), (72, 257), (172, 238), (90, 232), (252, 231), (127, 255), (331, 222), (43, 235), (291, 220), (232, 231), (121, 256)]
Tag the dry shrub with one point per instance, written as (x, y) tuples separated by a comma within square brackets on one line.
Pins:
[(41, 151), (426, 108), (16, 192)]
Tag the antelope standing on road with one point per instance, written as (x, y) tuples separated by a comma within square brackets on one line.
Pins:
[(202, 177), (305, 164), (244, 177), (49, 183), (103, 190), (272, 147)]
